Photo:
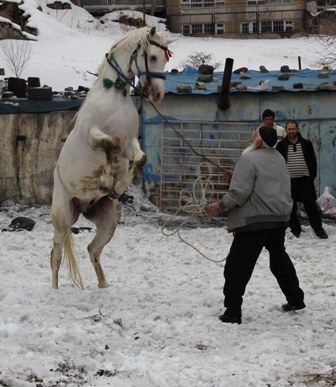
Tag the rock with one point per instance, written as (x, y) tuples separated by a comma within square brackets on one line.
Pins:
[(183, 89), (298, 85), (241, 86), (200, 86), (326, 86), (241, 70), (78, 230), (205, 78), (285, 69), (234, 83), (243, 75), (126, 199), (283, 77), (323, 74), (8, 94), (277, 88), (147, 208), (206, 69), (21, 223), (263, 69)]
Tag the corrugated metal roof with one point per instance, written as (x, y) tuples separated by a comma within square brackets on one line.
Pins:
[(184, 82)]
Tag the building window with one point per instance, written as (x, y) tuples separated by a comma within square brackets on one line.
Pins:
[(267, 26), (196, 3), (289, 26), (256, 2), (203, 29), (201, 3), (219, 29), (278, 26), (267, 2), (208, 29), (255, 28), (244, 28), (196, 29), (185, 29)]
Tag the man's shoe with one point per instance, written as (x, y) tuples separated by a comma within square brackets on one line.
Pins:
[(290, 307), (230, 319), (321, 233)]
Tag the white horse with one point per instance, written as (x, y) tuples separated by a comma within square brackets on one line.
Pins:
[(102, 154)]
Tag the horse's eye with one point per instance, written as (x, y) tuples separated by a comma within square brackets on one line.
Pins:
[(153, 58)]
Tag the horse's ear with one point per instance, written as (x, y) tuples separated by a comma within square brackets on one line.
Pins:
[(152, 31), (171, 40)]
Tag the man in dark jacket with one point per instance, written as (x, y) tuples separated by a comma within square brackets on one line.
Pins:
[(258, 206), (302, 167)]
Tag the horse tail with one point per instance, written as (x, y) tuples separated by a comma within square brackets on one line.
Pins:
[(71, 261)]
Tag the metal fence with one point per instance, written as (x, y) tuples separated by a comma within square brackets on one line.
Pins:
[(189, 155)]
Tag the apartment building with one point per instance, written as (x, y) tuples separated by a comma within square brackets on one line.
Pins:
[(230, 18), (249, 18)]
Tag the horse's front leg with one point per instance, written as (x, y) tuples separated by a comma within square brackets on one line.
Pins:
[(124, 180), (105, 214), (135, 160)]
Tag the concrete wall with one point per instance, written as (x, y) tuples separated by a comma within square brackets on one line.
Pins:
[(29, 148)]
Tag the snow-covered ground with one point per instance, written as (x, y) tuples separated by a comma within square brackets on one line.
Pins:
[(157, 324)]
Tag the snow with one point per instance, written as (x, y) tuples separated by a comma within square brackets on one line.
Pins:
[(157, 324)]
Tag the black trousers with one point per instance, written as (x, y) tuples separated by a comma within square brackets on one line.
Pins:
[(244, 252), (303, 190)]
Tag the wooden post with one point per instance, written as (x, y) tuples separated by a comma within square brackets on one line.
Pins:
[(223, 102)]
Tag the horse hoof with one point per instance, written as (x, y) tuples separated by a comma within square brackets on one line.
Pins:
[(113, 195)]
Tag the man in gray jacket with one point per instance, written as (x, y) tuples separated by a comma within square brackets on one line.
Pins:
[(258, 206)]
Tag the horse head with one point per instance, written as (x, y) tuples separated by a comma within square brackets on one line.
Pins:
[(148, 61)]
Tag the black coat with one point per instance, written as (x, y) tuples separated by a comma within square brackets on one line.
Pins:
[(307, 150)]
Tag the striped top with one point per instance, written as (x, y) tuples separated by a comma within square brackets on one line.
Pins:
[(296, 163)]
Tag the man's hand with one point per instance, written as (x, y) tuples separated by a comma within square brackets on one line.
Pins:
[(227, 175), (214, 209)]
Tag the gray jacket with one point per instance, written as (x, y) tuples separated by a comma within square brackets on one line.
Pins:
[(259, 195)]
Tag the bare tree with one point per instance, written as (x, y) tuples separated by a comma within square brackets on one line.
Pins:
[(322, 27), (198, 58), (17, 55)]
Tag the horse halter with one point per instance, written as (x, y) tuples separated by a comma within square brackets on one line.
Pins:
[(149, 74), (122, 80)]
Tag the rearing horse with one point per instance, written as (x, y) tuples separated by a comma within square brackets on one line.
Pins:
[(102, 154)]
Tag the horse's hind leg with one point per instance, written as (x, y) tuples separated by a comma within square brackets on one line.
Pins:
[(64, 215), (61, 228), (105, 214)]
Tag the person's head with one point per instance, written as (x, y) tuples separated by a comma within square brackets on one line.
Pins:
[(264, 137), (292, 130), (268, 117), (268, 135)]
